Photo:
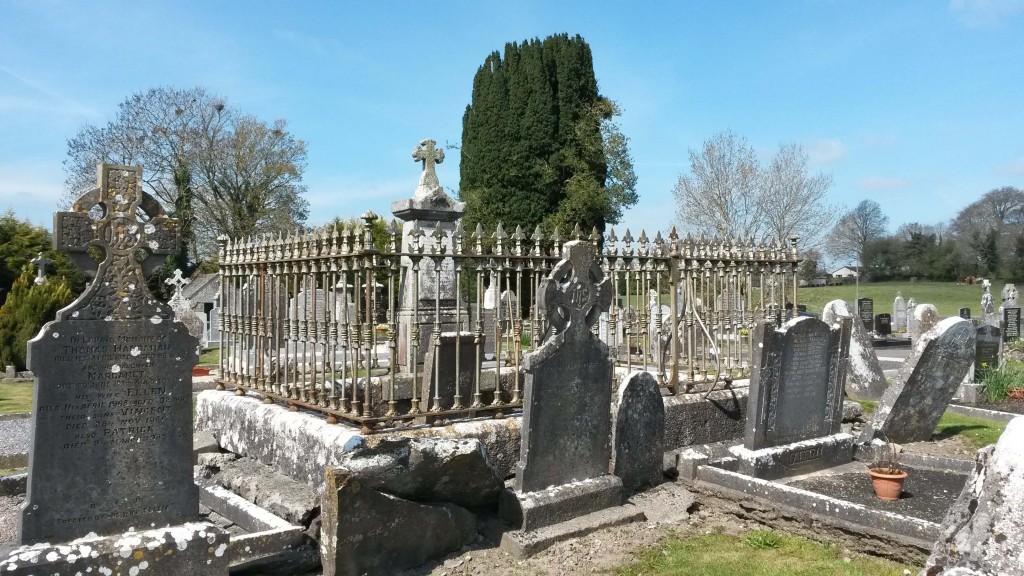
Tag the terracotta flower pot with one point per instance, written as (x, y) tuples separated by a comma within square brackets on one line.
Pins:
[(887, 486)]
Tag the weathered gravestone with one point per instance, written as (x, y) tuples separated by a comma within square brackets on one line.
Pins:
[(899, 313), (638, 432), (866, 311), (796, 397), (566, 428), (925, 317), (883, 324), (965, 313), (1011, 324), (988, 346), (112, 417), (112, 413), (864, 377), (449, 371), (917, 398)]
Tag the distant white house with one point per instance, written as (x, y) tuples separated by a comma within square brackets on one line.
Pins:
[(846, 272)]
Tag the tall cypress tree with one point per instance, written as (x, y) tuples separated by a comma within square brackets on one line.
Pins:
[(532, 147)]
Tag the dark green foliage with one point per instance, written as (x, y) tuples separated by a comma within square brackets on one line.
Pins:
[(538, 147), (20, 242), (26, 309)]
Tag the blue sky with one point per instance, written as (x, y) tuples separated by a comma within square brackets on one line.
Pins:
[(917, 105)]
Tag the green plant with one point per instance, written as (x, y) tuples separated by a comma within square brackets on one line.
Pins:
[(1001, 383), (762, 539)]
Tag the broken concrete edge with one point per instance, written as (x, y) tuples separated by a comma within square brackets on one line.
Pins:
[(522, 544), (249, 549), (15, 416), (864, 453), (795, 458), (19, 460), (14, 484), (240, 511), (193, 548), (895, 525), (996, 415)]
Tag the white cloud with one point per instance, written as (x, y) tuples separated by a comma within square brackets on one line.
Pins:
[(827, 151), (984, 13), (881, 183)]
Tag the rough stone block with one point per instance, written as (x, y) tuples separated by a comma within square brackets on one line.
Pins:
[(533, 510), (983, 533), (203, 442), (427, 470), (688, 461), (864, 377), (368, 532), (796, 458), (693, 419), (196, 549)]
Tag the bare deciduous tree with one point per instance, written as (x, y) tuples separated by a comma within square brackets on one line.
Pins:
[(727, 192), (865, 223), (218, 171)]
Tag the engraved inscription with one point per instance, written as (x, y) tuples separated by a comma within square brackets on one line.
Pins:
[(799, 456)]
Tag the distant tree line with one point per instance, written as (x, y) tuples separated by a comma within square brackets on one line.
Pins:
[(984, 239)]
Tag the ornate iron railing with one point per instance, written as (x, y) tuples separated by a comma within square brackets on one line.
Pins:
[(332, 319)]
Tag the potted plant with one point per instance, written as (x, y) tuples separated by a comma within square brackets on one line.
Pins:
[(886, 474)]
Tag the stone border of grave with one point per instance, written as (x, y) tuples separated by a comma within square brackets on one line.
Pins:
[(779, 505)]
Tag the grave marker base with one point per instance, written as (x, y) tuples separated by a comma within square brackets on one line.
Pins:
[(194, 548), (533, 510), (796, 458)]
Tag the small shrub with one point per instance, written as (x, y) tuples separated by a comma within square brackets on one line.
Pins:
[(887, 459), (762, 539), (1004, 382)]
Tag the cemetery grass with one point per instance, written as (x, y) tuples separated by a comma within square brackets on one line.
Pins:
[(16, 397), (978, 432), (210, 356), (948, 297), (759, 552)]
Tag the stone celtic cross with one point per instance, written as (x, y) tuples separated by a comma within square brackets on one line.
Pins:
[(131, 229), (178, 281), (575, 293), (41, 262), (427, 153)]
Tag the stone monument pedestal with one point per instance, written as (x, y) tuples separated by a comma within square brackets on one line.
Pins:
[(796, 458), (532, 510), (194, 548)]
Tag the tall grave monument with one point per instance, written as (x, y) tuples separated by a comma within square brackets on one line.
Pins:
[(796, 399), (428, 218), (899, 313), (112, 412)]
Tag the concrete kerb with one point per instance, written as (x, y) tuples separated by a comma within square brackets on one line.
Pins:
[(996, 415), (268, 535)]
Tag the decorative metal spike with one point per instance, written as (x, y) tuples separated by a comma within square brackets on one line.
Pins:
[(611, 236), (577, 234)]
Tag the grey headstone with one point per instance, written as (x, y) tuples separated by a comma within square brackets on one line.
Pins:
[(883, 324), (911, 407), (441, 383), (1011, 324), (112, 415), (796, 384), (864, 377), (566, 412), (1009, 296), (638, 434), (983, 532), (965, 313), (866, 311), (988, 345)]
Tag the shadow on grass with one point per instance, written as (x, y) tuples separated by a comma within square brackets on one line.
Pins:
[(949, 431)]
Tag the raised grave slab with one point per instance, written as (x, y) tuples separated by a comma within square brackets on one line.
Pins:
[(795, 458)]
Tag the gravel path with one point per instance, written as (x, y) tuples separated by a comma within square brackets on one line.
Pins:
[(15, 435)]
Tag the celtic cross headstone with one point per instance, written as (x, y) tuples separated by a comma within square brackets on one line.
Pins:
[(112, 414), (41, 262), (427, 153), (566, 412)]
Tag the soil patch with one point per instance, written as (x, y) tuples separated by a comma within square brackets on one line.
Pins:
[(1014, 405)]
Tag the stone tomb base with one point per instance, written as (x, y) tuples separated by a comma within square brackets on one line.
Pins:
[(796, 458), (533, 510), (195, 548)]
